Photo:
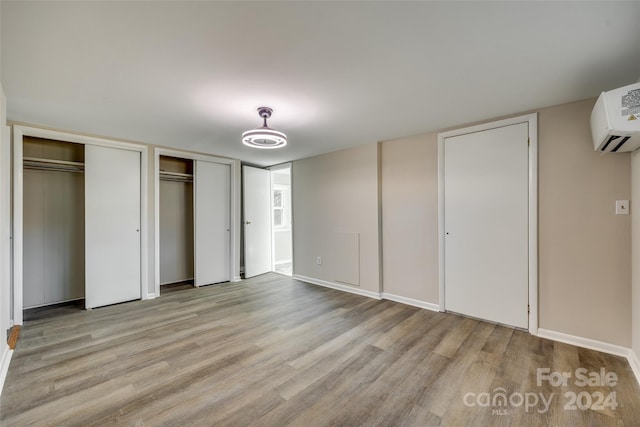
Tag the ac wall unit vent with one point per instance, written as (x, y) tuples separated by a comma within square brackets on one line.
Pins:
[(615, 120)]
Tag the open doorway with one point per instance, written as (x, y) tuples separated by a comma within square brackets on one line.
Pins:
[(281, 220)]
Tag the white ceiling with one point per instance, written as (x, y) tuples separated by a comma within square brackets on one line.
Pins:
[(337, 74)]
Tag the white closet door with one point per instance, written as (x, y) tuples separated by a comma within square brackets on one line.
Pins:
[(257, 224), (212, 207), (486, 224), (112, 225)]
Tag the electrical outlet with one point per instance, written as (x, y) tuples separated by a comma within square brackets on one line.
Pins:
[(319, 260), (622, 207)]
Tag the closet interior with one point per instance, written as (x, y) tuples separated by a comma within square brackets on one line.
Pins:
[(53, 222), (176, 223)]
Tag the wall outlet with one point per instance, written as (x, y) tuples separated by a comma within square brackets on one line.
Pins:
[(622, 207), (319, 260)]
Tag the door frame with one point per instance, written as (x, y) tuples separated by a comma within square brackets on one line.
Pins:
[(19, 132), (532, 121), (234, 214)]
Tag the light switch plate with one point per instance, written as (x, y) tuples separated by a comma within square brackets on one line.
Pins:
[(622, 207)]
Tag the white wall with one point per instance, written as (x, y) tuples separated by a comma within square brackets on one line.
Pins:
[(336, 195), (584, 247), (410, 217)]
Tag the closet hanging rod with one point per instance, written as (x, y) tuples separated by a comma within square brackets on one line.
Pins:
[(53, 168), (175, 176), (51, 161), (52, 165), (170, 179)]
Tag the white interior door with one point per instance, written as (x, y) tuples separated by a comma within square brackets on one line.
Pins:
[(257, 220), (486, 224), (212, 207), (112, 225)]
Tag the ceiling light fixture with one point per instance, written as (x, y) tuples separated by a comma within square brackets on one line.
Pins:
[(264, 137)]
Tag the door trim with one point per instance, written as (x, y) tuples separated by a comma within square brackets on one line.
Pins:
[(234, 214), (532, 120), (19, 132)]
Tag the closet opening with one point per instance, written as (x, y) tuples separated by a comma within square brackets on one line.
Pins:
[(54, 227), (282, 252), (176, 224)]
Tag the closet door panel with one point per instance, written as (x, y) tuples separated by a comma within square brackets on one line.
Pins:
[(212, 205), (112, 225)]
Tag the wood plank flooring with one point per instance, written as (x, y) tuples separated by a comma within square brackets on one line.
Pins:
[(272, 351)]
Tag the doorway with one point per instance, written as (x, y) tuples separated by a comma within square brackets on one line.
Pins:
[(281, 220)]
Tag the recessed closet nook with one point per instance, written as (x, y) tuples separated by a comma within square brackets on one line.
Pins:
[(194, 221), (77, 222), (176, 221), (53, 222)]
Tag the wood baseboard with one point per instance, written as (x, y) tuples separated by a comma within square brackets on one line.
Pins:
[(14, 334)]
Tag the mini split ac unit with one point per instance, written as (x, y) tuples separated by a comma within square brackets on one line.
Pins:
[(615, 120)]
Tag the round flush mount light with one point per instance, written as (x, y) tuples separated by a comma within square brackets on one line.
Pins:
[(264, 137)]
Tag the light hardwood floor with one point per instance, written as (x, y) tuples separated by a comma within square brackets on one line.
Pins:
[(271, 351)]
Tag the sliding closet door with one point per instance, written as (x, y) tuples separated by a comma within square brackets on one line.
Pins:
[(212, 205), (112, 225)]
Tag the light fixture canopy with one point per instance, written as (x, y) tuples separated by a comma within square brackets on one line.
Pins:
[(264, 137)]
